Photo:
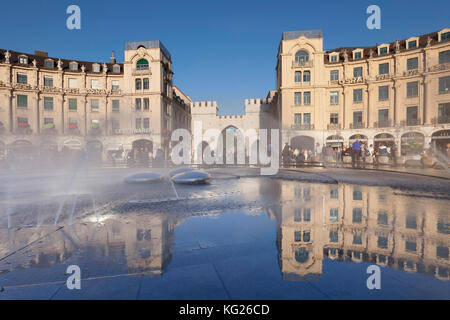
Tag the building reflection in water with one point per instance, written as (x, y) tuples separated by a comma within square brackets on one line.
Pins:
[(315, 222), (359, 224)]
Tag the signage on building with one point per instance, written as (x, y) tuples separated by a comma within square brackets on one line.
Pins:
[(133, 131)]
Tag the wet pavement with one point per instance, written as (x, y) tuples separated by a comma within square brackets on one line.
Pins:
[(310, 233)]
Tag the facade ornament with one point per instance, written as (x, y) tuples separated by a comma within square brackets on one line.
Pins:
[(105, 68), (397, 46), (371, 53), (428, 41), (59, 64), (34, 63), (345, 54), (83, 68), (7, 56)]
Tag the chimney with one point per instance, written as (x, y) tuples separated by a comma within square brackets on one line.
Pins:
[(112, 60)]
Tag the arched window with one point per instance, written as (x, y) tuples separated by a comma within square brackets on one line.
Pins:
[(302, 57), (301, 255), (142, 65)]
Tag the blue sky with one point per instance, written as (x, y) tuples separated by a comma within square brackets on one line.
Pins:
[(221, 50)]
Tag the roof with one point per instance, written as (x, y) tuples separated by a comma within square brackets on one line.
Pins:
[(40, 62), (291, 35), (148, 44)]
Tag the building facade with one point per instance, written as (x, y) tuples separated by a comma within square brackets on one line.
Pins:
[(76, 104), (396, 92)]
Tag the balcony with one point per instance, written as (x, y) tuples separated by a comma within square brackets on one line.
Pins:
[(305, 126), (73, 131), (441, 120), (302, 64), (95, 132), (439, 67), (23, 130), (334, 126), (410, 122), (49, 131), (139, 72), (357, 125), (383, 124)]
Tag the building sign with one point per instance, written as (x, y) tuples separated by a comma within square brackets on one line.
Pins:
[(133, 131)]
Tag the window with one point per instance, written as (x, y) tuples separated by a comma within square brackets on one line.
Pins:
[(73, 83), (334, 97), (411, 222), (445, 36), (146, 123), (48, 81), (95, 84), (138, 106), (334, 214), (357, 95), (115, 126), (357, 215), (297, 118), (73, 124), (297, 98), (306, 76), (138, 84), (301, 57), (383, 93), (383, 117), (411, 246), (357, 239), (412, 64), (412, 44), (96, 67), (307, 118), (138, 123), (72, 104), (383, 68), (307, 98), (22, 122), (357, 119), (49, 64), (142, 64), (334, 58), (146, 104), (357, 55), (298, 215), (115, 85), (334, 193), (306, 214), (334, 75), (444, 84), (21, 78), (382, 242), (23, 60), (383, 50), (357, 72), (116, 68), (412, 89), (444, 112), (95, 124), (48, 123), (146, 84), (22, 101), (382, 218), (73, 66), (357, 194), (334, 236), (442, 252), (115, 105), (412, 115), (334, 118), (298, 76), (297, 236), (94, 105), (48, 103), (444, 57), (306, 236)]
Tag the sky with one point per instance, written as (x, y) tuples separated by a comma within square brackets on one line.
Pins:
[(221, 50)]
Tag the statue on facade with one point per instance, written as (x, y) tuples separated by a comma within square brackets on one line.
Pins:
[(345, 54), (371, 53), (83, 68), (428, 41), (34, 62), (397, 46), (59, 64), (105, 68), (7, 56)]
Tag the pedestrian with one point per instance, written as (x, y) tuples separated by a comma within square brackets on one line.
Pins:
[(356, 154)]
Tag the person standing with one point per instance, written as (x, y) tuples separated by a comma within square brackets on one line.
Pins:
[(356, 147)]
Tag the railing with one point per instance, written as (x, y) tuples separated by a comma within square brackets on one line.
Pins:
[(410, 122), (383, 124), (357, 125), (94, 132), (334, 126), (73, 131), (439, 67), (443, 119), (305, 126), (302, 64), (24, 131), (49, 131)]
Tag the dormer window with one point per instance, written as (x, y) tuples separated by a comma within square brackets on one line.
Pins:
[(357, 55), (96, 67), (49, 64), (445, 36), (23, 60), (382, 50), (73, 66), (116, 68), (412, 44), (334, 58)]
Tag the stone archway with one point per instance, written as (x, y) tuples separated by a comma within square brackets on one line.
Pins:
[(440, 139), (302, 143), (412, 143)]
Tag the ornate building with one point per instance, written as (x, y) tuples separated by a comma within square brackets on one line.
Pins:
[(74, 104)]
